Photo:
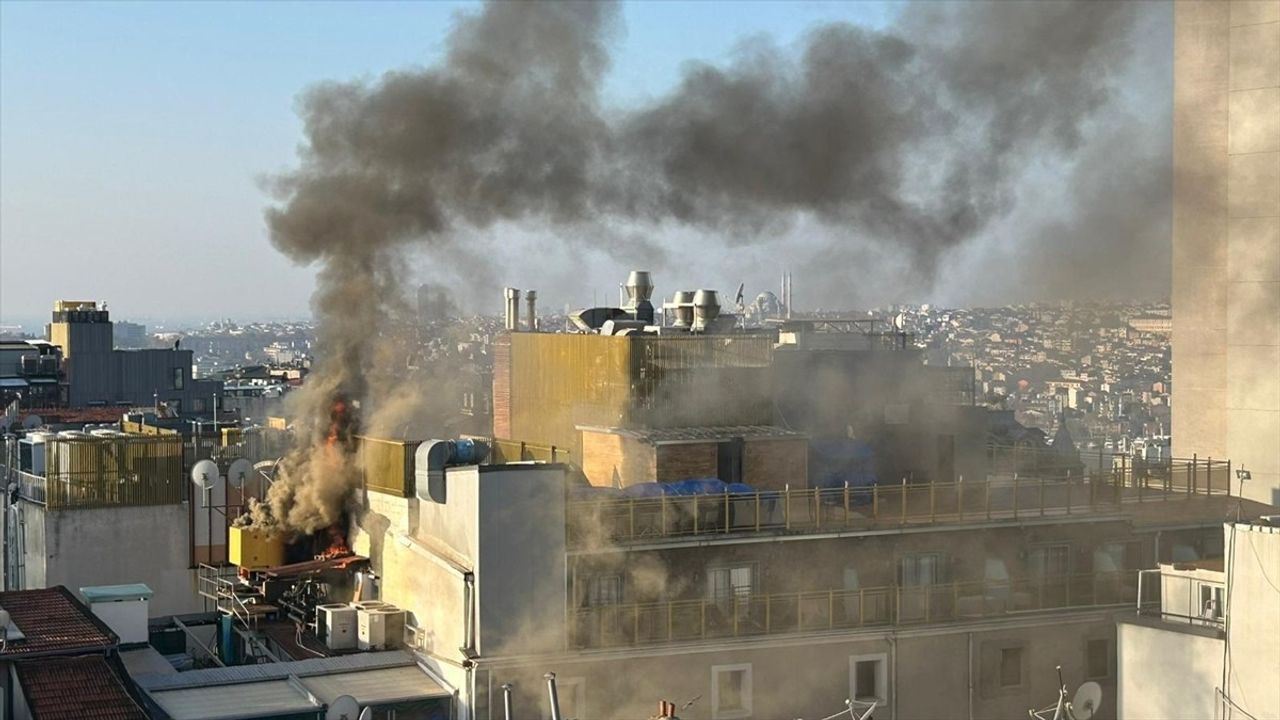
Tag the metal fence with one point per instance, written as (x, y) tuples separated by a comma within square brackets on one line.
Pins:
[(747, 615), (108, 472), (850, 508)]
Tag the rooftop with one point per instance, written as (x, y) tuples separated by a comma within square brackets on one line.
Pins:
[(52, 622), (72, 688)]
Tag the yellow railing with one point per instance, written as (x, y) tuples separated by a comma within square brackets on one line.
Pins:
[(109, 472), (812, 510), (747, 615)]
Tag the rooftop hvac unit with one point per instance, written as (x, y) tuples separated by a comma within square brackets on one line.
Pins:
[(380, 628), (338, 626)]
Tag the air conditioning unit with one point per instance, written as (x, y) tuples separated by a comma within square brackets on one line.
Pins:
[(338, 626), (380, 628)]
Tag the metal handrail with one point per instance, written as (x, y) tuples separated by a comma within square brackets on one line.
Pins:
[(742, 615), (850, 507)]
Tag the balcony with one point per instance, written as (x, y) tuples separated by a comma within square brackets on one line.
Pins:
[(1190, 594), (850, 509), (112, 472), (751, 615)]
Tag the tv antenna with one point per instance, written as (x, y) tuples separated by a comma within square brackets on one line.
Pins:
[(1084, 704)]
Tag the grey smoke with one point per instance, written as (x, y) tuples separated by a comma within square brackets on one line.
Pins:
[(908, 143)]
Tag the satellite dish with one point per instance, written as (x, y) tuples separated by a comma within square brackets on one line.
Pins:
[(366, 714), (32, 422), (204, 474), (343, 708), (239, 471), (1086, 701)]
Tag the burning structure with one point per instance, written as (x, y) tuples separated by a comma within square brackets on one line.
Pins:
[(823, 516)]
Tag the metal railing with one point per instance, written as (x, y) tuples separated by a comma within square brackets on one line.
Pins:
[(747, 615), (813, 510), (83, 490), (1181, 598)]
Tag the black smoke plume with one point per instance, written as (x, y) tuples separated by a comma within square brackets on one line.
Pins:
[(909, 141)]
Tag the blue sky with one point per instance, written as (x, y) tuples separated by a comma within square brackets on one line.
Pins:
[(132, 135)]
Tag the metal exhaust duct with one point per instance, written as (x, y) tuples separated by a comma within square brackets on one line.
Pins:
[(513, 308), (553, 696), (706, 308), (531, 301), (639, 293), (683, 302)]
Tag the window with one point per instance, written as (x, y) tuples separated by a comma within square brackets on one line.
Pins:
[(726, 583), (179, 378), (731, 691), (1211, 602), (1097, 658), (604, 590), (1050, 561), (1010, 667), (921, 569), (868, 678)]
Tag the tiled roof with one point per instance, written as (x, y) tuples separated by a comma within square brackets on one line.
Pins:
[(73, 688), (52, 622)]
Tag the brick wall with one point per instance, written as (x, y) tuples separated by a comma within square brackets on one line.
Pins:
[(771, 464)]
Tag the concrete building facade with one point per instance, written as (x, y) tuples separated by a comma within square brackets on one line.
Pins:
[(1206, 642), (1226, 237)]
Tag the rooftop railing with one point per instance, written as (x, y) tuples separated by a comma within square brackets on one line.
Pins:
[(849, 508), (112, 472), (752, 615), (1181, 599)]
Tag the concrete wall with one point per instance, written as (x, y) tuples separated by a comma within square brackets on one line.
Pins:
[(1226, 237), (1167, 672), (520, 572), (1254, 618), (110, 546), (810, 676)]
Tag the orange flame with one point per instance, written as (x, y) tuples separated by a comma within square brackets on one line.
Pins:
[(337, 545)]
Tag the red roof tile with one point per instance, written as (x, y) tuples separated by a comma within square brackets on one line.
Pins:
[(52, 622), (74, 688)]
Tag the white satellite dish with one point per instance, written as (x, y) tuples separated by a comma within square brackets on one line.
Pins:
[(1086, 701), (32, 422), (240, 471), (344, 707), (366, 714), (204, 474)]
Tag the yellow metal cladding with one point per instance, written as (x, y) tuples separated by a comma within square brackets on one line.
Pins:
[(560, 381), (387, 465), (114, 471)]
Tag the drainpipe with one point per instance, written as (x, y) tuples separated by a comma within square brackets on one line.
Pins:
[(469, 602), (893, 662), (506, 701), (969, 674)]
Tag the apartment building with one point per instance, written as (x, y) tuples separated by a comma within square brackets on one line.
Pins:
[(655, 522), (1204, 641)]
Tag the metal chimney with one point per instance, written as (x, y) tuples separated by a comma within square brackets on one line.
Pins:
[(513, 308), (531, 300), (553, 696), (639, 287), (706, 308), (506, 701), (683, 302)]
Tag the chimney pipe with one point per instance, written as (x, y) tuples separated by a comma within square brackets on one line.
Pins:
[(531, 300), (513, 308), (506, 701), (553, 696)]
